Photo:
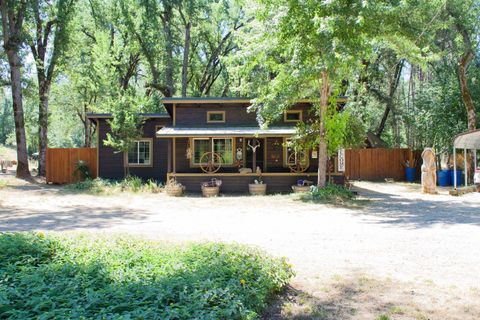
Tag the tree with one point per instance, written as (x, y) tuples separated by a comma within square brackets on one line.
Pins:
[(126, 124), (48, 41), (13, 15), (464, 17), (309, 48)]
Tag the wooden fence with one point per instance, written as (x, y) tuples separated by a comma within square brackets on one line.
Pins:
[(61, 162), (377, 164)]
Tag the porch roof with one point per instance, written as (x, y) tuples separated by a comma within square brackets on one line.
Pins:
[(183, 132)]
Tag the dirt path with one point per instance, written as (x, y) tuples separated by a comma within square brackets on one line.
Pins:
[(405, 255)]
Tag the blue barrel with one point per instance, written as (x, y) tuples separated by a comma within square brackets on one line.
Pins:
[(410, 174), (459, 177), (444, 178)]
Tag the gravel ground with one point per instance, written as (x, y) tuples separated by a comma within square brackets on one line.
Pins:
[(402, 254)]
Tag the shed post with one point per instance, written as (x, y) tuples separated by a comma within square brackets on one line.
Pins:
[(465, 164), (454, 168)]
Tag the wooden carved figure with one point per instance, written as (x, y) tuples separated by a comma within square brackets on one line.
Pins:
[(429, 172)]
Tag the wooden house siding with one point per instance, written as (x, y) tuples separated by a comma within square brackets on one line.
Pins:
[(111, 162), (190, 115)]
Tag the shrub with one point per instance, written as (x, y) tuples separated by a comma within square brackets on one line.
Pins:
[(130, 184), (81, 167), (330, 193), (110, 278)]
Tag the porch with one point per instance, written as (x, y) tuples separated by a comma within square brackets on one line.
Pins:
[(238, 157)]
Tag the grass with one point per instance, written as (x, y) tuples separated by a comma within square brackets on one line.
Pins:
[(3, 184), (8, 152), (83, 277), (104, 186)]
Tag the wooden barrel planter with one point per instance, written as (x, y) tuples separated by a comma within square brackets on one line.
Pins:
[(300, 189), (257, 189), (174, 190), (210, 191)]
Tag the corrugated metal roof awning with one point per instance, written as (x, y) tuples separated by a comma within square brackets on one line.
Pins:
[(467, 140), (224, 131)]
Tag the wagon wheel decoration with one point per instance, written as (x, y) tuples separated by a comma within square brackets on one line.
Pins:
[(210, 162), (298, 162)]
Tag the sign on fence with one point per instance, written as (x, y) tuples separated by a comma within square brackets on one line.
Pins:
[(341, 160)]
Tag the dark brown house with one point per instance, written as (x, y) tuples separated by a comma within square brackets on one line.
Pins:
[(203, 138)]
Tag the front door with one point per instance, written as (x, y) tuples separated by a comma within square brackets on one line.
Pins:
[(257, 156)]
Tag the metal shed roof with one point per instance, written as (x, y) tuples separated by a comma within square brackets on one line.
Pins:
[(467, 140), (224, 131)]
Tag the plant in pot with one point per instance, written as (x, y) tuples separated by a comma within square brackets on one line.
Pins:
[(211, 188), (257, 188), (174, 188)]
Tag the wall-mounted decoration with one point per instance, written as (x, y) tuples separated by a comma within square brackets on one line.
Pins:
[(239, 153), (314, 154)]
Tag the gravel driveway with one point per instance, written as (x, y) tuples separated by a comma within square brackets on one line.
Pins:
[(403, 254)]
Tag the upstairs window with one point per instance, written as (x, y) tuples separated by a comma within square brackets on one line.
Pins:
[(141, 153), (292, 116), (215, 116)]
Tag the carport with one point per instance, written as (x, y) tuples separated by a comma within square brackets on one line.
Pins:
[(466, 141)]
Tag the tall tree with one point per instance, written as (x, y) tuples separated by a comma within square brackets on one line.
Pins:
[(13, 15), (464, 17), (48, 42), (308, 49)]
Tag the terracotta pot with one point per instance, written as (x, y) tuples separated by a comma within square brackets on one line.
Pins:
[(257, 189), (210, 191), (174, 191), (300, 189)]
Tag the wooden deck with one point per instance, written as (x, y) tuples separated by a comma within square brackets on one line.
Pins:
[(238, 183)]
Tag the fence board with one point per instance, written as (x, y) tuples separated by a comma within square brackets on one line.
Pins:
[(375, 164), (60, 163)]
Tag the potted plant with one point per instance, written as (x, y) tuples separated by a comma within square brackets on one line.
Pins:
[(257, 188), (302, 186), (174, 188), (211, 188)]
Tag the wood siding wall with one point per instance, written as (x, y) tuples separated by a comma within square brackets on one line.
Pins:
[(61, 163), (375, 164), (235, 115), (111, 162)]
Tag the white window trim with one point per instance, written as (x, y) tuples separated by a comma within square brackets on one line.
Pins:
[(150, 146)]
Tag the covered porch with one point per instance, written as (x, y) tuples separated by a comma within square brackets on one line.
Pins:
[(238, 156)]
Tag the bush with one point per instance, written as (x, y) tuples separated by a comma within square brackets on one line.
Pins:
[(129, 184), (104, 278), (81, 168), (331, 193)]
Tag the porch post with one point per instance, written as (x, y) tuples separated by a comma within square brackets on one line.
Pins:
[(169, 157), (465, 164), (174, 151)]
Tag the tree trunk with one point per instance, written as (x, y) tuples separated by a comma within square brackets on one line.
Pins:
[(169, 49), (42, 125), (466, 96), (186, 49), (322, 147), (17, 99)]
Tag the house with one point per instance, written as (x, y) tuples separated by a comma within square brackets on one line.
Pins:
[(203, 138)]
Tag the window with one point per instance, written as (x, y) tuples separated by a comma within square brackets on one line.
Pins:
[(292, 116), (222, 146), (216, 116), (200, 146), (141, 152)]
